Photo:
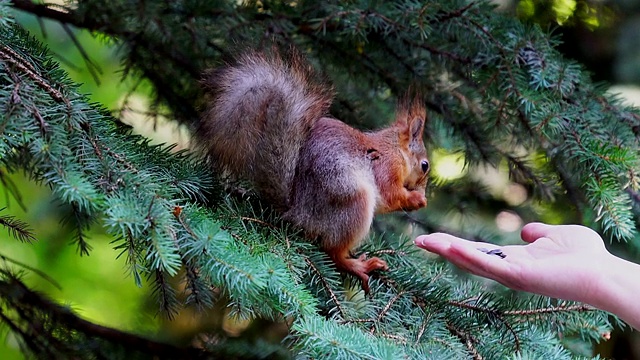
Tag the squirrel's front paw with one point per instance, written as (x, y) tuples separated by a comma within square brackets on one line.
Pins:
[(415, 201)]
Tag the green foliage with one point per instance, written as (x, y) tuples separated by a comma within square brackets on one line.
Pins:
[(498, 93), (590, 14)]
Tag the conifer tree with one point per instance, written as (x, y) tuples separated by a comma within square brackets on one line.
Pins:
[(498, 93)]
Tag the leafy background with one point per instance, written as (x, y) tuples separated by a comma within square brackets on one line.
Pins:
[(601, 35)]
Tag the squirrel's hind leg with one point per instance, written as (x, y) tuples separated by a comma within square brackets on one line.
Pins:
[(355, 220), (360, 267)]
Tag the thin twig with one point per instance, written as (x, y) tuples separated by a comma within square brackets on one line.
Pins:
[(551, 310), (386, 309), (497, 314), (92, 67), (466, 339), (332, 295), (42, 274)]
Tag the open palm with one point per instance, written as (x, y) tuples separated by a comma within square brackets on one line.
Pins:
[(558, 261)]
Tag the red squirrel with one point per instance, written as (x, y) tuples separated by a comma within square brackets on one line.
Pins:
[(268, 122)]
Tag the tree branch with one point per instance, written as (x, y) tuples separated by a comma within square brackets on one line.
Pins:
[(14, 291)]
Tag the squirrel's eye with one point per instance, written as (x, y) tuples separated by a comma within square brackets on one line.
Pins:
[(425, 166)]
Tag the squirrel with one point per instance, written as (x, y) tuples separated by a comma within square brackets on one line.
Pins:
[(267, 122)]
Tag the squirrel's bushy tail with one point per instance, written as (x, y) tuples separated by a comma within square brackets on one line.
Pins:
[(262, 109)]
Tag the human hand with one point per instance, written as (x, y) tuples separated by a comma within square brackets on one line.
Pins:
[(563, 261)]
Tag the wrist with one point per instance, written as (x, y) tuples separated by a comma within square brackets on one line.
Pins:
[(616, 289)]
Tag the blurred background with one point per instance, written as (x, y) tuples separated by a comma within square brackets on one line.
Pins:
[(602, 35)]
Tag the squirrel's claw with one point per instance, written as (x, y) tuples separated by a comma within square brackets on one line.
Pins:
[(363, 267)]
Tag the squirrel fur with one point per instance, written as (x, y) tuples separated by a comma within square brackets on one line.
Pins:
[(268, 122)]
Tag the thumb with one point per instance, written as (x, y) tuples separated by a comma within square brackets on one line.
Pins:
[(535, 230)]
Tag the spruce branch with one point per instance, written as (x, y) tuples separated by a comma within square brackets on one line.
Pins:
[(548, 310), (467, 340), (495, 314), (448, 15), (44, 326), (10, 56), (165, 293), (81, 223), (17, 228), (198, 292), (150, 199)]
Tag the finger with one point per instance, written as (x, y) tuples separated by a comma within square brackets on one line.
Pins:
[(438, 242), (535, 230), (478, 263), (465, 255)]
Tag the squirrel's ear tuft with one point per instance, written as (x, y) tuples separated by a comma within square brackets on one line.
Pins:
[(410, 107), (410, 117)]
